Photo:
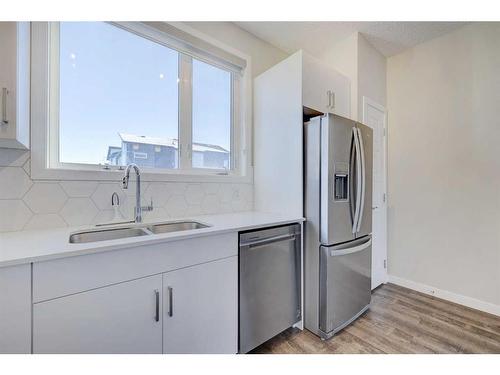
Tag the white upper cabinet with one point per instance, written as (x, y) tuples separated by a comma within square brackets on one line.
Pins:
[(14, 84), (323, 88), (296, 86)]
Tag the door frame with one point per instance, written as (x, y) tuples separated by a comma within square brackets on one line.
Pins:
[(370, 102)]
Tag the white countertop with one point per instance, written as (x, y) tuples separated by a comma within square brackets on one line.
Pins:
[(40, 245)]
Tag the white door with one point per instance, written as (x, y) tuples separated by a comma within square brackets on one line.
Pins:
[(122, 318), (374, 115), (201, 308)]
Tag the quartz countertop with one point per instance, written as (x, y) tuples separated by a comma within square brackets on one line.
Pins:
[(40, 245)]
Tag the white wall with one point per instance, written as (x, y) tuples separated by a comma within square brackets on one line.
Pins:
[(371, 75), (444, 164), (28, 204), (263, 54)]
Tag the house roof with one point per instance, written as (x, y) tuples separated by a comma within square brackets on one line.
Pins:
[(169, 142)]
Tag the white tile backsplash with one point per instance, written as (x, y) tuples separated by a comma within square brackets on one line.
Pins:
[(79, 189), (194, 194), (27, 204), (45, 221), (79, 211), (14, 214), (14, 182), (13, 158), (45, 198)]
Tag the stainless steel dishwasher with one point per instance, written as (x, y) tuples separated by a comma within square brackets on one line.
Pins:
[(269, 283)]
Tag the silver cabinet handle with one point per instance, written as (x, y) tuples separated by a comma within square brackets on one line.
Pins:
[(332, 94), (329, 93), (157, 307), (4, 106), (170, 301)]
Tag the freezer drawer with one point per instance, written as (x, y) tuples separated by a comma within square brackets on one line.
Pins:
[(345, 283), (270, 274)]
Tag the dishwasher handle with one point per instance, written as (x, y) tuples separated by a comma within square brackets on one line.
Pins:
[(266, 241)]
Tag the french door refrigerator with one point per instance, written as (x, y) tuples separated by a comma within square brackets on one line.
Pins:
[(337, 202)]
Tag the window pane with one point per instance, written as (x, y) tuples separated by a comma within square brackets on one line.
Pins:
[(211, 116), (118, 97)]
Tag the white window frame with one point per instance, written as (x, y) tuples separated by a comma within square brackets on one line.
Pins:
[(45, 163)]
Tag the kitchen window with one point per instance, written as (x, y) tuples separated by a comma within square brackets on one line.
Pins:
[(123, 93)]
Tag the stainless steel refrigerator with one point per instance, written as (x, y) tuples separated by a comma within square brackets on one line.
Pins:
[(337, 200)]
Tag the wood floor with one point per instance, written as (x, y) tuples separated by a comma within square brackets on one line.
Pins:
[(401, 320)]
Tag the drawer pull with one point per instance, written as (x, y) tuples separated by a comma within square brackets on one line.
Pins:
[(4, 106), (170, 301), (157, 308)]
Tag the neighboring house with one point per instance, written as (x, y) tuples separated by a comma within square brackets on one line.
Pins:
[(163, 153)]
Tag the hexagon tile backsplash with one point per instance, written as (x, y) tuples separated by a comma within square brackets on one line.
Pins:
[(27, 204)]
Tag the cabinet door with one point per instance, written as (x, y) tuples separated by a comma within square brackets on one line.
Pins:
[(14, 84), (201, 308), (8, 41), (15, 309), (122, 318), (324, 89)]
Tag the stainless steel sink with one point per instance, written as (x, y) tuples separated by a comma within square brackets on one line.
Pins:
[(143, 230), (106, 234), (176, 226)]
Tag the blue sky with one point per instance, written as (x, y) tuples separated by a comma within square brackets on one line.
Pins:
[(113, 81)]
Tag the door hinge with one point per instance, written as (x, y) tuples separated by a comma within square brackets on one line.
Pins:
[(385, 263)]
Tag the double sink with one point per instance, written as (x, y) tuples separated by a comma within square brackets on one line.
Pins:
[(135, 231)]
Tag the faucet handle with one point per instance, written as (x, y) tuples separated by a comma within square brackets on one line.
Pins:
[(115, 199), (149, 207)]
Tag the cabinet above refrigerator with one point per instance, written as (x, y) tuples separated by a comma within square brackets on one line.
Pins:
[(294, 89)]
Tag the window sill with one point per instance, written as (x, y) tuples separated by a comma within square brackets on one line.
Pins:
[(59, 174)]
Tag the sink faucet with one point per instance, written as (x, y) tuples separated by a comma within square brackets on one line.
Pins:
[(138, 208)]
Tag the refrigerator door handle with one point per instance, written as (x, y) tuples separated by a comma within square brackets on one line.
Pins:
[(358, 181), (352, 155), (363, 179), (351, 250)]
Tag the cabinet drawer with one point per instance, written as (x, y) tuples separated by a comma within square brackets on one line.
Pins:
[(56, 278)]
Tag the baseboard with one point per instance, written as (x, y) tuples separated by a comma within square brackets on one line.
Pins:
[(446, 295)]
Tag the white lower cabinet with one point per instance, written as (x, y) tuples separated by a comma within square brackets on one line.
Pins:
[(15, 309), (189, 310), (175, 297), (200, 308), (121, 318)]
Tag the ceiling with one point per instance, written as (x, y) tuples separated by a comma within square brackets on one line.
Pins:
[(389, 38)]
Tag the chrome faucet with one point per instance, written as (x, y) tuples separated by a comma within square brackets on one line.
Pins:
[(138, 208)]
